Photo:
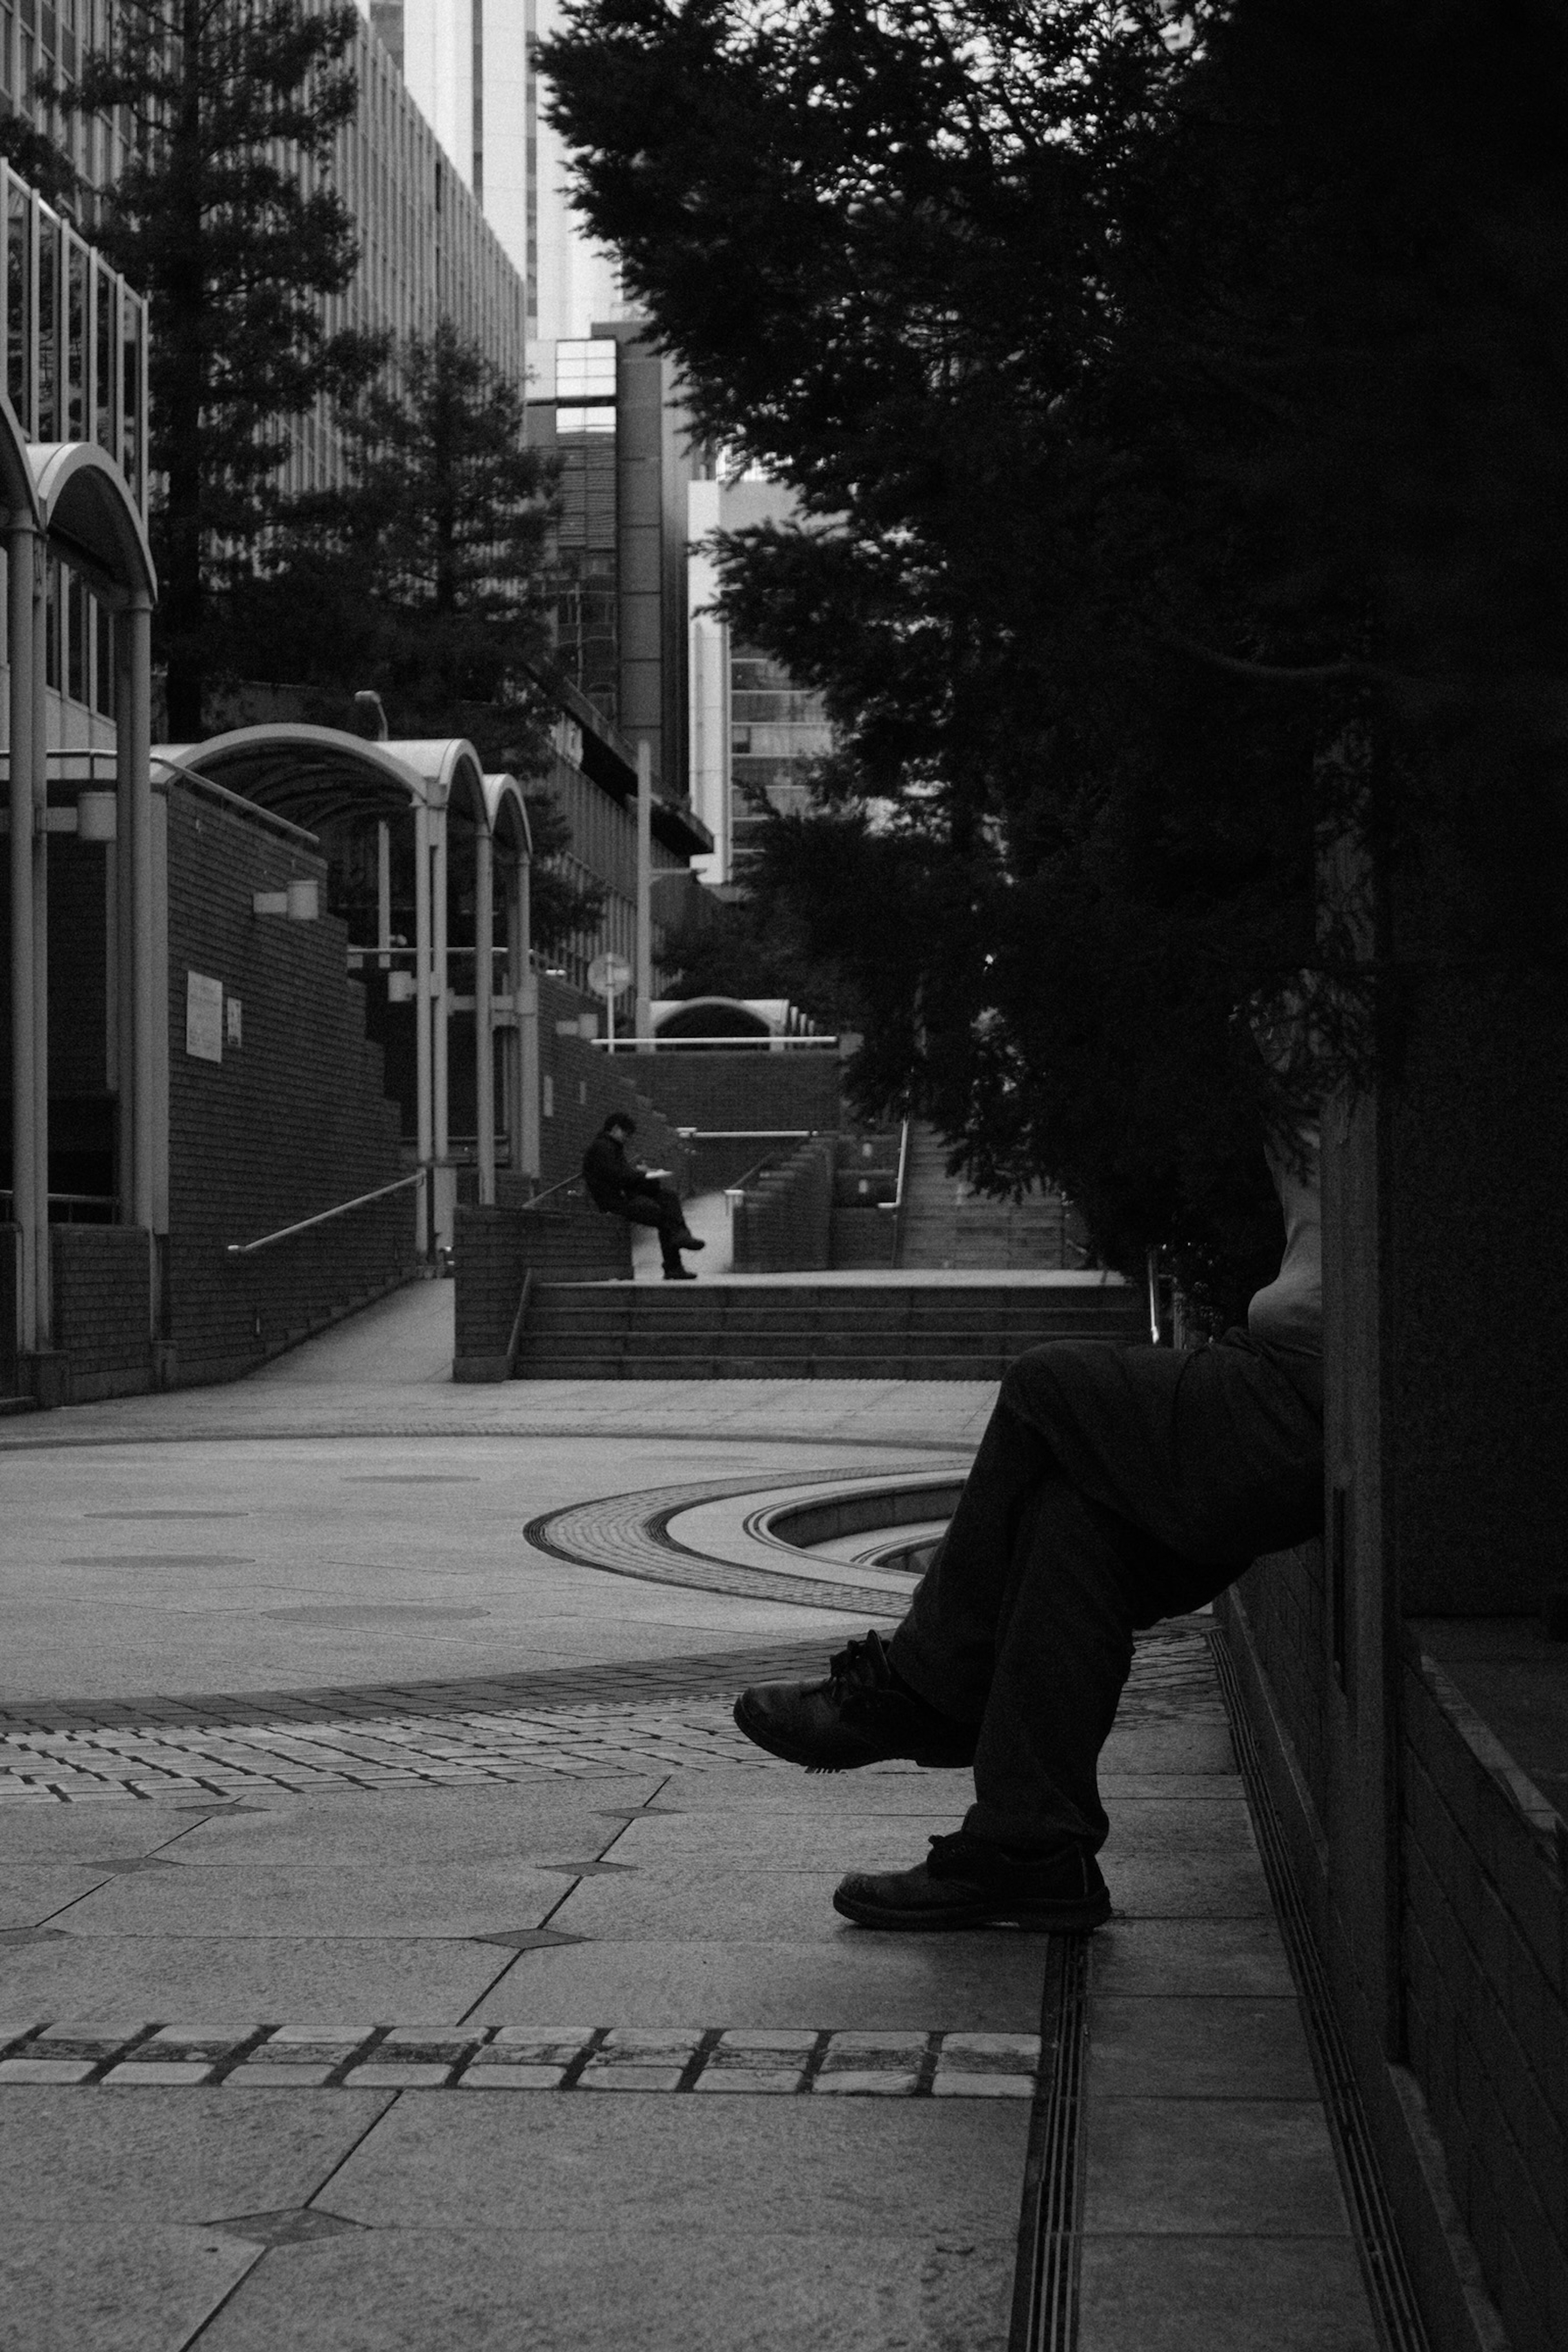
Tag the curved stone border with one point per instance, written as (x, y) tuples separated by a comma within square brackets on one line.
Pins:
[(630, 1535)]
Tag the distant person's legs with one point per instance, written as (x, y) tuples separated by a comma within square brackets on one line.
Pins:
[(660, 1209)]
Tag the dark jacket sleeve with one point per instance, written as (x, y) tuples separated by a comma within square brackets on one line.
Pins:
[(605, 1172)]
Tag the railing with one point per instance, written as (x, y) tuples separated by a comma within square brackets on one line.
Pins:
[(621, 1044), (107, 1202), (515, 1342), (323, 1216), (895, 1207)]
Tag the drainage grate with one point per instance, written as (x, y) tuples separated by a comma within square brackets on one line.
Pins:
[(1046, 2288), (1384, 2271)]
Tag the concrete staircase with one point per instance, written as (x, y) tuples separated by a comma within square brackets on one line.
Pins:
[(799, 1328), (945, 1226)]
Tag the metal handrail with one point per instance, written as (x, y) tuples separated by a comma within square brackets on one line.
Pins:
[(895, 1206), (897, 1202), (560, 1187), (515, 1341), (323, 1216), (634, 1045)]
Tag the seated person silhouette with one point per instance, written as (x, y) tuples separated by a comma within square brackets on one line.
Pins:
[(1115, 1486), (621, 1189)]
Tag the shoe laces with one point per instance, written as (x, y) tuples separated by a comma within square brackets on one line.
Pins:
[(859, 1665)]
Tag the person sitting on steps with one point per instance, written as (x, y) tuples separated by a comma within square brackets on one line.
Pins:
[(622, 1191), (1115, 1486)]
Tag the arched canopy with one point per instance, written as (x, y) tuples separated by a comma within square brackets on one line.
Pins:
[(310, 774), (506, 810), (18, 494), (449, 770), (92, 519), (714, 1017)]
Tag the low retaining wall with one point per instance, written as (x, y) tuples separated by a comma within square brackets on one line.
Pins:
[(1471, 2120), (783, 1222), (103, 1298), (494, 1248)]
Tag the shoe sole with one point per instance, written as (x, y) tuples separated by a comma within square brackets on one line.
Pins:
[(789, 1753), (1076, 1918)]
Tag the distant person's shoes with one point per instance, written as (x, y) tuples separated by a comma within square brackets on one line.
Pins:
[(861, 1714), (688, 1240), (966, 1882), (679, 1273)]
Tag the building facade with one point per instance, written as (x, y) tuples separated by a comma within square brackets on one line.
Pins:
[(427, 251), (756, 734)]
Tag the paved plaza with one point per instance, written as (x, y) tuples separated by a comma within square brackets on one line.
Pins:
[(400, 1948)]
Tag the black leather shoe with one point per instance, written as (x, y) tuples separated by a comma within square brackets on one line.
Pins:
[(688, 1240), (679, 1273), (964, 1882), (860, 1715)]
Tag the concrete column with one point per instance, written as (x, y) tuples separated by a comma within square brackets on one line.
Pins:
[(383, 894), (526, 999), (20, 550), (484, 1022), (422, 1041), (440, 986), (42, 1268), (643, 978), (511, 1098)]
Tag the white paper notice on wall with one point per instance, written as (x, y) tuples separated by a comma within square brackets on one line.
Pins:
[(203, 1016)]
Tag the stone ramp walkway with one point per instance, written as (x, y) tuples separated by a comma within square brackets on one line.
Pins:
[(243, 2039)]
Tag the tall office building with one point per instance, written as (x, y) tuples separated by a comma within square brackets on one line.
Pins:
[(756, 734), (469, 66), (607, 406), (427, 251)]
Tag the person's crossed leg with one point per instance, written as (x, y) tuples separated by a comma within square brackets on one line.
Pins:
[(1114, 1487)]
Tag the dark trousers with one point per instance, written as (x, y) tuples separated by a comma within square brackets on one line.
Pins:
[(1113, 1487), (660, 1207)]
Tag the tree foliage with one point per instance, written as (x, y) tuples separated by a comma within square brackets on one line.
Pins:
[(420, 575), (224, 217), (1175, 406)]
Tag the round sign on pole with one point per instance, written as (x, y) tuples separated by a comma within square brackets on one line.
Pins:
[(609, 974)]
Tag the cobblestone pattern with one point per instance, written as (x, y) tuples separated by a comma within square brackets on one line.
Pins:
[(361, 1751), (464, 1733), (711, 2060)]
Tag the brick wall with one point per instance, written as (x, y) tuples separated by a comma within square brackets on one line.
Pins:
[(1484, 1943), (292, 1121), (1284, 1599), (493, 1250), (711, 1088), (584, 1086), (102, 1298), (782, 1223)]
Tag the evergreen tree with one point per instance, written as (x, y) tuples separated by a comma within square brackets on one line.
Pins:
[(1173, 402), (420, 576), (224, 217)]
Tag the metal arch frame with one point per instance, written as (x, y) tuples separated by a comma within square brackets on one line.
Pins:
[(506, 828), (72, 498), (434, 776)]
